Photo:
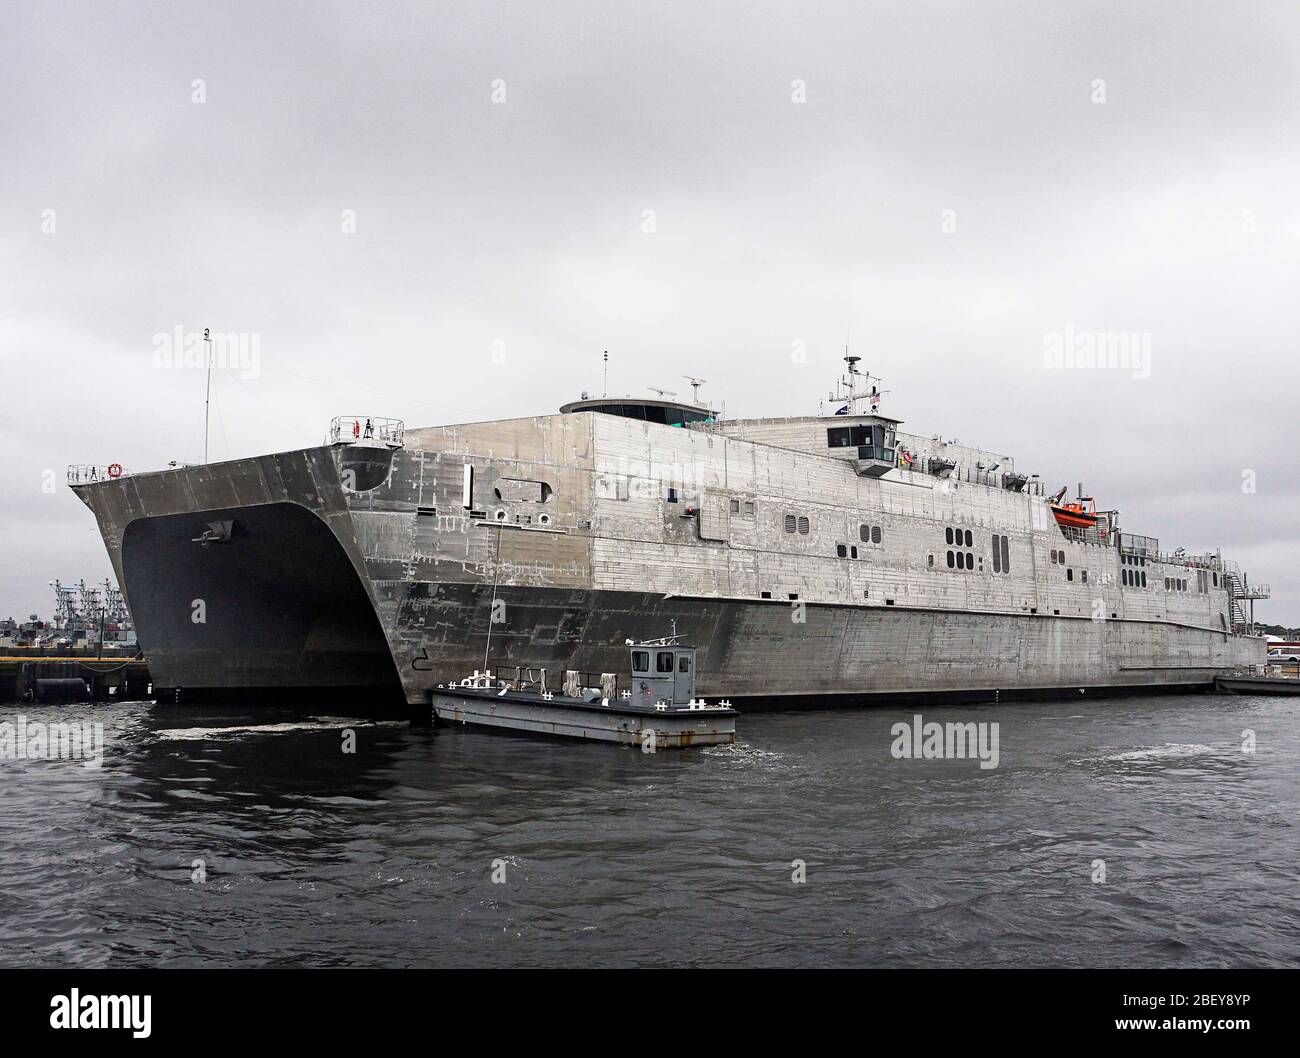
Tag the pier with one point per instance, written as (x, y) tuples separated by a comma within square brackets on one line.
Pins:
[(31, 676)]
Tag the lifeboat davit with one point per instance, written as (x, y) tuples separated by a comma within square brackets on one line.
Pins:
[(1075, 515)]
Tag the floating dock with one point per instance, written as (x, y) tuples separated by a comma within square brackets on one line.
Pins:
[(25, 678)]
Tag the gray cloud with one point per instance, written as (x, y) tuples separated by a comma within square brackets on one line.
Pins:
[(1168, 211)]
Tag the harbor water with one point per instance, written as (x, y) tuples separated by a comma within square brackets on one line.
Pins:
[(1157, 831)]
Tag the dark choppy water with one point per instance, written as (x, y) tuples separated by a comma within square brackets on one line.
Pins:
[(614, 857)]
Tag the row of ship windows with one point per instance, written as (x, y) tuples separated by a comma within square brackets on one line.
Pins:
[(1001, 553)]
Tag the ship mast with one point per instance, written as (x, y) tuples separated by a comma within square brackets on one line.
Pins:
[(207, 390), (855, 387)]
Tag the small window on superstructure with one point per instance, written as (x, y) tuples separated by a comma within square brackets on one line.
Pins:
[(853, 552), (1083, 576), (952, 562), (970, 538), (749, 506), (791, 523), (997, 555), (875, 534), (1069, 574), (803, 525), (864, 533), (672, 495), (735, 506), (947, 535), (930, 563), (841, 551)]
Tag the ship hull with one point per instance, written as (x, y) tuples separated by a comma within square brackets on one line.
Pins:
[(272, 577)]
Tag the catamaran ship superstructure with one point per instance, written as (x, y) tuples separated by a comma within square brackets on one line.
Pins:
[(818, 558)]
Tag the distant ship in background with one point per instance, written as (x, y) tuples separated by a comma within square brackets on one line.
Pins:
[(814, 559), (84, 616)]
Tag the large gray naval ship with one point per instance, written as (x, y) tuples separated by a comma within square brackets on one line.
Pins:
[(817, 559)]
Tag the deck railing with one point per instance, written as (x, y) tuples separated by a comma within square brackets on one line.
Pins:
[(349, 429), (88, 473)]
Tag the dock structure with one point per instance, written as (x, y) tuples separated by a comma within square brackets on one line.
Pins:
[(36, 678)]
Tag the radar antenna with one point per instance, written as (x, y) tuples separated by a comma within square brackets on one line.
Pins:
[(696, 383)]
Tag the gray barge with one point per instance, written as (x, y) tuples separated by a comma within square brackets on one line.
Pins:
[(658, 710)]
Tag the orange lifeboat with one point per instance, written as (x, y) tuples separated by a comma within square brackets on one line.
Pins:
[(1075, 515)]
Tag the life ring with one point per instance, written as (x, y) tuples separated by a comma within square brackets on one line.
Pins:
[(114, 470)]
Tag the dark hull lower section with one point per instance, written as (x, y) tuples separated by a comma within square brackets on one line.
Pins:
[(277, 611)]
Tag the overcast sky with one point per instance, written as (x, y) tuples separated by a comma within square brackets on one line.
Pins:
[(444, 212)]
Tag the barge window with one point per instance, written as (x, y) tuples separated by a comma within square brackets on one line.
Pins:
[(640, 661), (664, 661)]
